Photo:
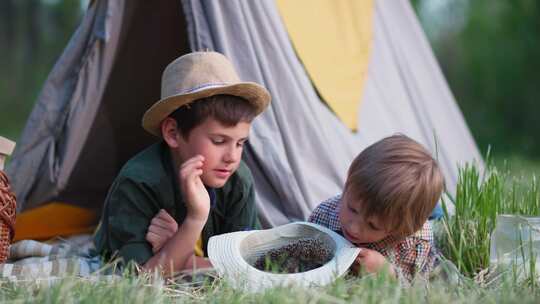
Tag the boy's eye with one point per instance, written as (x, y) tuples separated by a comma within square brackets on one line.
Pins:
[(352, 210), (241, 143), (373, 226), (217, 141)]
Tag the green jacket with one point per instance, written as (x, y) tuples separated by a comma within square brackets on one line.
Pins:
[(149, 182)]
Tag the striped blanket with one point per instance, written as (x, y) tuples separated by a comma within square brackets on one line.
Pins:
[(48, 262), (32, 260)]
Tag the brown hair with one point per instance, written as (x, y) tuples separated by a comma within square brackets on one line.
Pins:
[(396, 180), (227, 109)]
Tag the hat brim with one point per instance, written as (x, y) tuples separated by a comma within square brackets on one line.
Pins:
[(250, 91), (226, 256)]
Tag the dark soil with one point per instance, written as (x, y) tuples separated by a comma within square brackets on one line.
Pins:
[(300, 256)]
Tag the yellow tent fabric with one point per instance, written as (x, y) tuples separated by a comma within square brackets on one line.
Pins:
[(333, 39), (61, 219), (54, 219)]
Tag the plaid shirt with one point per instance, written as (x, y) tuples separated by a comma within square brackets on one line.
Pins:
[(416, 254)]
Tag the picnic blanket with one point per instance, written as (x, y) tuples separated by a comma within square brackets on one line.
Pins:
[(31, 260)]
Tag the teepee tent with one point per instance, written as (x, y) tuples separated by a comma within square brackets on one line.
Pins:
[(342, 75)]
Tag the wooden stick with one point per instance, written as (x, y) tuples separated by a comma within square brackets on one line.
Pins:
[(6, 148)]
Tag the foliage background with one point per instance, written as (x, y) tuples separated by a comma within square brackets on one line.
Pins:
[(488, 50)]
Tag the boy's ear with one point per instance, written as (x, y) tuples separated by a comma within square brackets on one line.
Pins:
[(170, 132)]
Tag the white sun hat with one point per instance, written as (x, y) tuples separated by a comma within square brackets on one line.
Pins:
[(234, 254)]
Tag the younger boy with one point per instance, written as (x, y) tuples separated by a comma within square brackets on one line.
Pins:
[(391, 188), (194, 178)]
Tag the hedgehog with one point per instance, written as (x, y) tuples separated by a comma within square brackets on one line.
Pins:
[(299, 256)]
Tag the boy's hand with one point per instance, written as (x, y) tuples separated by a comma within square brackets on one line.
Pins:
[(193, 190), (161, 229), (371, 261)]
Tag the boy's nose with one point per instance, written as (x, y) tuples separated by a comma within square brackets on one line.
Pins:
[(232, 155), (354, 229)]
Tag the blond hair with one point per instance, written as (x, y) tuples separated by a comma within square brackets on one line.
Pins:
[(396, 180)]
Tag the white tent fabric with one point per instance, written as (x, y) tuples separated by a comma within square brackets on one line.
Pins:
[(299, 151)]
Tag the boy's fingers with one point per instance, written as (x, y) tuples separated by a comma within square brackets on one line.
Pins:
[(197, 158), (191, 164), (193, 175), (192, 159), (162, 233), (191, 167), (364, 253), (165, 224), (152, 238), (155, 240), (161, 230), (186, 172), (166, 216)]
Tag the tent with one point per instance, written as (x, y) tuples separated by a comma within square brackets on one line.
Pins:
[(342, 75)]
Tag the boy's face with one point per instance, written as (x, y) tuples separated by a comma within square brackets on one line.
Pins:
[(221, 147), (356, 227)]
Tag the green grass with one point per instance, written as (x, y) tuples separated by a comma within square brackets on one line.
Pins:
[(479, 199), (371, 289), (464, 239)]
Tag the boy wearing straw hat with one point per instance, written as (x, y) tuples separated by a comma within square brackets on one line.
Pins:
[(168, 200)]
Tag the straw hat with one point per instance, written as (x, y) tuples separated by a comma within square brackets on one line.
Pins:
[(199, 75), (234, 254)]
